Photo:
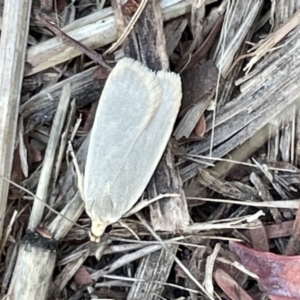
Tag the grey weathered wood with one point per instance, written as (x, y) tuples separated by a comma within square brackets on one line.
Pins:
[(96, 32), (223, 168), (280, 12), (238, 22), (239, 26), (263, 97), (32, 277), (265, 195), (152, 269), (84, 88), (72, 205), (33, 254), (168, 214), (227, 189), (156, 58), (12, 60)]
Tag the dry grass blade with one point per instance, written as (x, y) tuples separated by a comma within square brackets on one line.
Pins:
[(292, 204), (125, 260), (144, 203), (273, 39), (246, 222), (208, 282)]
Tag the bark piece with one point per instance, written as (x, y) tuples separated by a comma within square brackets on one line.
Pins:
[(84, 88), (227, 189), (155, 57), (259, 238), (293, 246), (265, 195), (274, 231), (152, 270), (173, 32), (35, 264), (197, 81), (168, 214)]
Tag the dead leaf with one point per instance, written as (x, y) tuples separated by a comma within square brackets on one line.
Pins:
[(60, 5), (101, 73), (82, 276), (259, 238), (230, 287), (44, 232), (16, 176), (282, 298), (225, 262), (200, 127), (35, 155), (130, 7), (197, 81), (279, 274)]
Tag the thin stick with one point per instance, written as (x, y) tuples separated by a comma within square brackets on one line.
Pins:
[(187, 156), (42, 189), (144, 203), (12, 57), (88, 52), (45, 204), (292, 204)]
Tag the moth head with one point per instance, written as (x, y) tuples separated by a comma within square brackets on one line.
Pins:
[(97, 230)]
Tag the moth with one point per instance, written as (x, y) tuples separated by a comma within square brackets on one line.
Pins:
[(133, 123)]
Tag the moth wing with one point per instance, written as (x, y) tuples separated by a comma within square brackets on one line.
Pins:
[(148, 149), (128, 102)]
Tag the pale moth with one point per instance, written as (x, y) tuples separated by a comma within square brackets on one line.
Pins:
[(133, 123)]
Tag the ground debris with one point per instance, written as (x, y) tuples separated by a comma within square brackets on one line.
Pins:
[(219, 216)]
